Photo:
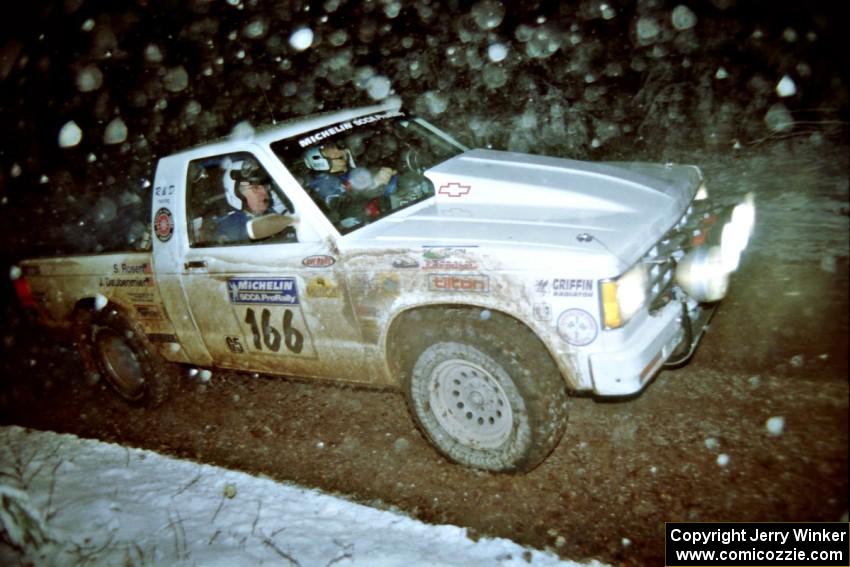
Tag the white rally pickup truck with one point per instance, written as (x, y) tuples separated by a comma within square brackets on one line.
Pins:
[(369, 247)]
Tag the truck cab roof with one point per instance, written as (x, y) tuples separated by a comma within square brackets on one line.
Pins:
[(268, 133)]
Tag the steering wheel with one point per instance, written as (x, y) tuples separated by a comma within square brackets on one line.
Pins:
[(342, 201), (413, 160)]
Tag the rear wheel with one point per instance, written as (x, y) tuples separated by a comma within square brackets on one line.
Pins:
[(486, 393), (115, 349), (119, 363)]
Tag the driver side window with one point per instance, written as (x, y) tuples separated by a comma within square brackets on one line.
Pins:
[(223, 196)]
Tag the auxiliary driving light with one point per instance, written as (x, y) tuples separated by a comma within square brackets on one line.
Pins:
[(702, 273), (745, 213), (736, 233)]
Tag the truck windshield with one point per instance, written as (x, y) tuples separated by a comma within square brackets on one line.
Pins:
[(364, 169)]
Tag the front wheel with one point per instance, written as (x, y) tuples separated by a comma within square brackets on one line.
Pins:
[(486, 394), (115, 349)]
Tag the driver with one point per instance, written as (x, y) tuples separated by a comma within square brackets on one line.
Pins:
[(341, 186), (253, 188)]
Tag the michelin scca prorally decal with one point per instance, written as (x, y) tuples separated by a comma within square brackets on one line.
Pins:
[(268, 291)]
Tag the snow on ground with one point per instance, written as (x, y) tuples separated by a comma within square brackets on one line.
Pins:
[(71, 501)]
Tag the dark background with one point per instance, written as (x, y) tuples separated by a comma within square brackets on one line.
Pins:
[(597, 91), (777, 346)]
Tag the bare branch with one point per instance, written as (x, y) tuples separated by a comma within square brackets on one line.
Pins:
[(348, 552), (48, 512), (47, 457), (257, 517), (268, 541), (180, 546), (190, 484), (217, 510)]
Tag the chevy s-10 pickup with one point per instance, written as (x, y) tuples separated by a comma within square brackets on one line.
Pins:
[(369, 247)]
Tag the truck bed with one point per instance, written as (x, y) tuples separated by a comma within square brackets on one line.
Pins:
[(58, 284)]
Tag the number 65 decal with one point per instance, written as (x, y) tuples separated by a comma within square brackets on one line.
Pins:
[(266, 334)]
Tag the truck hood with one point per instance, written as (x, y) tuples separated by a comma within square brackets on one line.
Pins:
[(490, 197)]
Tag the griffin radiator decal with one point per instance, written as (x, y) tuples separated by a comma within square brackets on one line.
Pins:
[(565, 287)]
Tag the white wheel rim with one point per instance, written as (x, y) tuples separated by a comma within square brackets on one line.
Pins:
[(470, 404), (120, 364)]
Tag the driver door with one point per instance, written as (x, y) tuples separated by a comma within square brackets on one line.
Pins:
[(279, 305)]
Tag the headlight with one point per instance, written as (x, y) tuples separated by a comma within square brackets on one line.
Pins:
[(623, 297)]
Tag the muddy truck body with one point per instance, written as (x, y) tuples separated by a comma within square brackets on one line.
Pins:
[(486, 286)]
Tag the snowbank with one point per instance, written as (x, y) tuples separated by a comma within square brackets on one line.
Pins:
[(66, 500)]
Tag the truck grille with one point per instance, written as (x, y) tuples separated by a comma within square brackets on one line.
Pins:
[(661, 259)]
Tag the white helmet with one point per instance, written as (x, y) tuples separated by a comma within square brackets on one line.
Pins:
[(232, 170), (314, 158)]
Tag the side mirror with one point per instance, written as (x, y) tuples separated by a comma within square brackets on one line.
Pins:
[(269, 225)]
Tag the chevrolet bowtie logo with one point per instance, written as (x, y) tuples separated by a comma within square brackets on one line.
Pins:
[(454, 189)]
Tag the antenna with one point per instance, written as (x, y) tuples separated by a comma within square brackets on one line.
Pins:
[(587, 237), (268, 105)]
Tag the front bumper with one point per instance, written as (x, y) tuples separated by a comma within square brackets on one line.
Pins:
[(690, 269), (669, 336), (630, 368)]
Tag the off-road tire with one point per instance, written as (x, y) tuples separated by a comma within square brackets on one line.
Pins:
[(117, 350), (481, 387)]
